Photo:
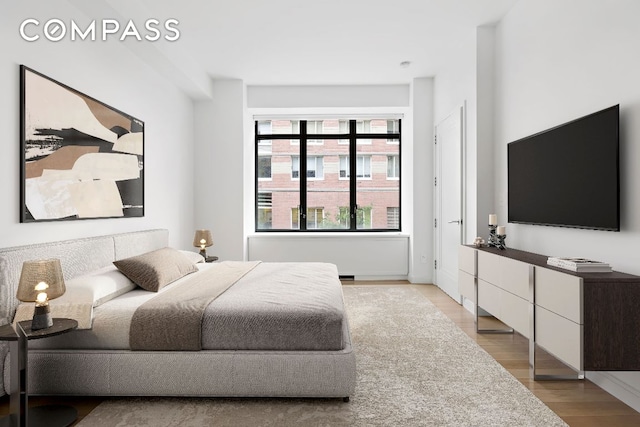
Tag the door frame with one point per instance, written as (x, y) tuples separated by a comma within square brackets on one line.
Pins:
[(437, 159)]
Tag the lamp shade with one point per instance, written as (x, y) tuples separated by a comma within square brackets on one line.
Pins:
[(33, 273), (203, 235)]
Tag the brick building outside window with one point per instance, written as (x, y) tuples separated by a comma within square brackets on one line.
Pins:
[(304, 179)]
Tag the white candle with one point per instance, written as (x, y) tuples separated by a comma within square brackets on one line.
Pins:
[(493, 219), (501, 230)]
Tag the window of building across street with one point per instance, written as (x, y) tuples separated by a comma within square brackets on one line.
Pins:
[(328, 174)]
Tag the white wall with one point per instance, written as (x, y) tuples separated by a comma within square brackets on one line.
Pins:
[(417, 164), (557, 61), (220, 170), (484, 191), (419, 182), (456, 85), (111, 74)]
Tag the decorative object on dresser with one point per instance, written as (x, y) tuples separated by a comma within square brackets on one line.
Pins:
[(203, 239), (587, 321), (497, 234), (80, 157), (501, 235), (41, 281), (478, 242), (580, 265)]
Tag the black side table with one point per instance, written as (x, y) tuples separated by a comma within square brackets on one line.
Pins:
[(21, 415)]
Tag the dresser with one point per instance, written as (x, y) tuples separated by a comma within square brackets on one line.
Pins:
[(589, 321)]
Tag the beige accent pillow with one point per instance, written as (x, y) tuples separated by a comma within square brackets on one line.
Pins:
[(156, 269)]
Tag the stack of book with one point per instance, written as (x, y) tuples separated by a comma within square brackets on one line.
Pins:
[(579, 265)]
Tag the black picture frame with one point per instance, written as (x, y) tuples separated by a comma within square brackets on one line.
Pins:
[(80, 158)]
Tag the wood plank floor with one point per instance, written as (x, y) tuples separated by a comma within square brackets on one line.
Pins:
[(578, 403)]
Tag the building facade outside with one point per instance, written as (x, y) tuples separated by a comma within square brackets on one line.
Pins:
[(328, 176)]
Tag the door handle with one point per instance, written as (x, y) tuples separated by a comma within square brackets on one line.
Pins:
[(455, 221)]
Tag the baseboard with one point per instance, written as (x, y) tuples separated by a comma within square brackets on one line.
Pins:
[(379, 278), (617, 387), (417, 279)]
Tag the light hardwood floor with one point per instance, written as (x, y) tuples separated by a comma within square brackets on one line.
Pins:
[(578, 403)]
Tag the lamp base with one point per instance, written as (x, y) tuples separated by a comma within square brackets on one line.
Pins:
[(41, 318), (203, 252)]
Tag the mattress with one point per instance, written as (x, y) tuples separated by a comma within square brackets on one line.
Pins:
[(276, 306)]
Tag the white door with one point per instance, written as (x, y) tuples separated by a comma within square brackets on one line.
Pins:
[(448, 203)]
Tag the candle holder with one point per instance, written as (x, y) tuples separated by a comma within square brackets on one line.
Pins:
[(493, 237), (500, 238)]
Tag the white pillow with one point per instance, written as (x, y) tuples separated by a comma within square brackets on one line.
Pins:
[(194, 257), (104, 284)]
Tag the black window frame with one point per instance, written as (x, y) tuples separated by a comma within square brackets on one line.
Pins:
[(303, 137)]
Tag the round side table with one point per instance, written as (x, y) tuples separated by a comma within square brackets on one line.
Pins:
[(21, 415)]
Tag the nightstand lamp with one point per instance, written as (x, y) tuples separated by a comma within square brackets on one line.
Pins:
[(41, 281), (202, 240)]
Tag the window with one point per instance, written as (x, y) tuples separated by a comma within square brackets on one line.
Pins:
[(264, 167), (393, 217), (393, 126), (295, 167), (363, 217), (264, 210), (314, 127), (315, 218), (304, 180), (344, 166), (344, 219), (363, 166), (315, 167), (264, 127), (393, 167)]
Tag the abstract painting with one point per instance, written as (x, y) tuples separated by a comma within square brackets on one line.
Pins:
[(81, 159)]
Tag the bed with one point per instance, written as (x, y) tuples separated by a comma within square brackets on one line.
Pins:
[(278, 330)]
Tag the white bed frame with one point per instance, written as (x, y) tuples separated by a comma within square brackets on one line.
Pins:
[(164, 373)]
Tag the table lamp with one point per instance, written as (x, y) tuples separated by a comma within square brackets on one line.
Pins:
[(202, 240), (41, 281)]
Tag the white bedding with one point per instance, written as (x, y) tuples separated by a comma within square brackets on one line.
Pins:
[(274, 307)]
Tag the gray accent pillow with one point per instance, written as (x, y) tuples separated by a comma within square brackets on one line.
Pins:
[(156, 269)]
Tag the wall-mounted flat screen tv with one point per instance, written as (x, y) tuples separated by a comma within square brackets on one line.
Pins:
[(568, 176)]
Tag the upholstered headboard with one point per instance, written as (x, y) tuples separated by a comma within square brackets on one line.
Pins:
[(77, 257)]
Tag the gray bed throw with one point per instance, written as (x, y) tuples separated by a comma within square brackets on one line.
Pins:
[(173, 319)]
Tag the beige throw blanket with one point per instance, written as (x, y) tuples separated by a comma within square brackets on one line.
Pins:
[(172, 320)]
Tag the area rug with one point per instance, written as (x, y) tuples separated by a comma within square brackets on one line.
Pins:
[(415, 368)]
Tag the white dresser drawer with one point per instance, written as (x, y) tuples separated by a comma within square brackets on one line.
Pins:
[(514, 311), (489, 267), (560, 293), (466, 285), (514, 277), (467, 260), (489, 298), (559, 336)]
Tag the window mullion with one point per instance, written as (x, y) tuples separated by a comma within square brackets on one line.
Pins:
[(352, 175), (303, 176)]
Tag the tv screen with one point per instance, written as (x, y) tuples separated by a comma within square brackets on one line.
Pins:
[(567, 176)]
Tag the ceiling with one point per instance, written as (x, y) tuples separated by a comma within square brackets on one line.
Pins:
[(298, 42)]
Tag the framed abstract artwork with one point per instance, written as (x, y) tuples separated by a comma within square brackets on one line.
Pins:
[(81, 158)]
